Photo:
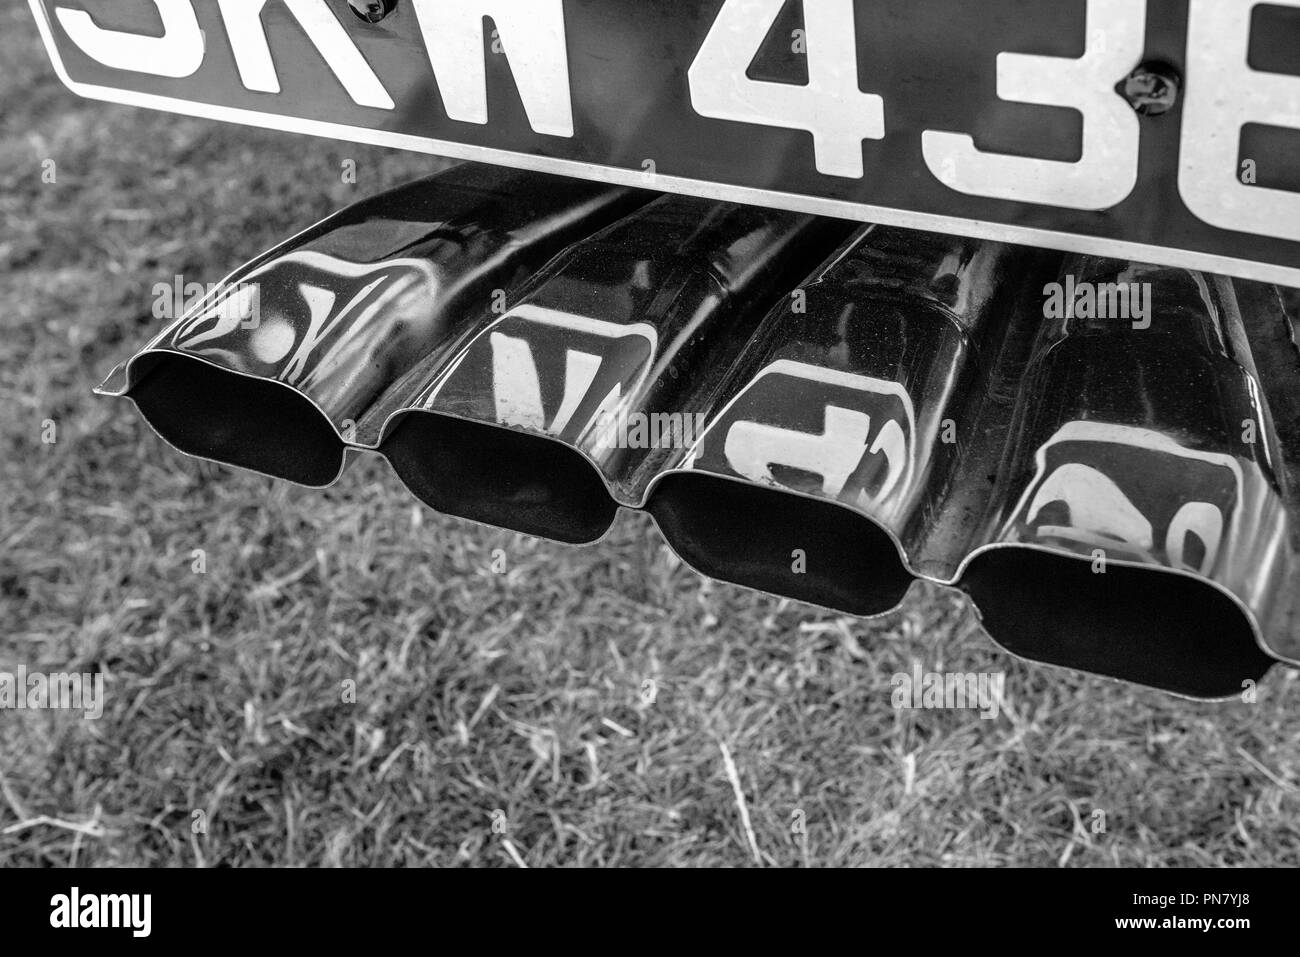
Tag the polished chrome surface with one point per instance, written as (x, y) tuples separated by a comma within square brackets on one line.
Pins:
[(634, 326), (851, 395), (1104, 456), (1137, 526), (277, 369)]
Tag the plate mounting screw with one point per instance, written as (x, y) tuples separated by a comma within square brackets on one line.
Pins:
[(372, 11), (1152, 88)]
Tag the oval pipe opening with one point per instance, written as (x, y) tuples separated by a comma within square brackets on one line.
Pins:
[(1158, 628), (237, 420), (500, 477), (784, 544)]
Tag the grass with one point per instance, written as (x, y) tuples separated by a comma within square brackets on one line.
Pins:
[(498, 718)]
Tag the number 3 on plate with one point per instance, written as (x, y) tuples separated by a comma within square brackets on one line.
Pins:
[(1107, 171), (1218, 46)]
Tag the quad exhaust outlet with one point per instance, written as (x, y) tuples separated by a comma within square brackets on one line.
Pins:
[(1104, 456)]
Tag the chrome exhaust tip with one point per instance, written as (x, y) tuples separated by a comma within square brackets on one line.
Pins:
[(1164, 630), (501, 477), (834, 438), (278, 368), (524, 425), (208, 412), (1138, 529), (793, 546)]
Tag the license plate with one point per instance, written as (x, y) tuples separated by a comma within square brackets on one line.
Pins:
[(1165, 131)]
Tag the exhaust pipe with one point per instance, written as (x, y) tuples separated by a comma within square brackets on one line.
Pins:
[(1274, 344), (804, 406), (820, 471), (1138, 528), (277, 369), (540, 421)]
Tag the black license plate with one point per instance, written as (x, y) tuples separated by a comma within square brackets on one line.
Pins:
[(1164, 131)]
